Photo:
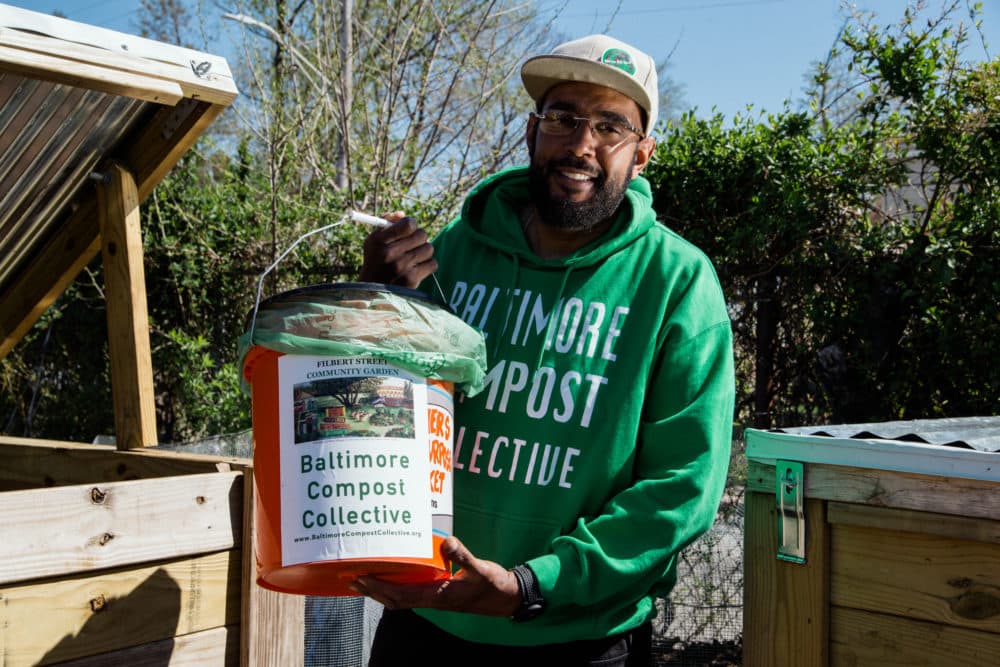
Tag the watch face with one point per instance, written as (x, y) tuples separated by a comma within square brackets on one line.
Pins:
[(528, 611)]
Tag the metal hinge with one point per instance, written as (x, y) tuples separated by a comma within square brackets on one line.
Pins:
[(790, 498)]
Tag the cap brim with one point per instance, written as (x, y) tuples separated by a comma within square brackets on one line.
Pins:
[(539, 74)]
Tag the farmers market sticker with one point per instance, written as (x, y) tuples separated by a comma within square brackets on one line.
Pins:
[(353, 471)]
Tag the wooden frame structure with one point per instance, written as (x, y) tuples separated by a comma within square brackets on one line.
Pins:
[(901, 554), (127, 555)]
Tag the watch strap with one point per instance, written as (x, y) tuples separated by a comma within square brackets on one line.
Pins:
[(532, 602)]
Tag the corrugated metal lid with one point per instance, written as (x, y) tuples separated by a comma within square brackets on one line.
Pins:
[(73, 99), (979, 433)]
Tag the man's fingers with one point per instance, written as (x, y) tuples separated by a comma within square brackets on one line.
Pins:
[(454, 551)]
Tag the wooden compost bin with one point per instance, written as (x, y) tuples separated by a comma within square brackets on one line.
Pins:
[(900, 539), (124, 555)]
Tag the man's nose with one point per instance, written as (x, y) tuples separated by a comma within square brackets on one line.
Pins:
[(582, 141)]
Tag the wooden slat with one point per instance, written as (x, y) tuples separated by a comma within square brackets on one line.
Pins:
[(785, 605), (70, 529), (887, 518), (56, 620), (864, 639), (925, 493), (156, 147), (27, 463), (939, 579), (128, 319), (273, 623), (211, 87), (218, 647), (84, 75)]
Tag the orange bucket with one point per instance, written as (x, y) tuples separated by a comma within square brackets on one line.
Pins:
[(352, 471)]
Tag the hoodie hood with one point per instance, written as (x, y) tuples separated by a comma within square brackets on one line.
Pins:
[(487, 212)]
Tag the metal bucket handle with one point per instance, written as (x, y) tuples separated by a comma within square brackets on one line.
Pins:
[(351, 216)]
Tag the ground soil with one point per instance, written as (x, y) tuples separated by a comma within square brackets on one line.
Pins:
[(713, 654)]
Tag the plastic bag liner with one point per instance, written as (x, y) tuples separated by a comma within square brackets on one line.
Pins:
[(399, 325)]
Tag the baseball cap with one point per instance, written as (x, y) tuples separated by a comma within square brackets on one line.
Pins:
[(601, 60)]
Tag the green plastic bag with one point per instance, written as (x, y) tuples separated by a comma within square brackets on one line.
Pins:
[(401, 326)]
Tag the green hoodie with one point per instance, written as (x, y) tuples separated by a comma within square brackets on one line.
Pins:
[(599, 447)]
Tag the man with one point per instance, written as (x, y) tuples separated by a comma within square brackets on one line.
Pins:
[(599, 448)]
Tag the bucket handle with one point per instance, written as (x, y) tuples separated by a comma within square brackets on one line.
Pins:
[(352, 216)]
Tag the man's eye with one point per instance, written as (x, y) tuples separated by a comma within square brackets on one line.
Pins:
[(566, 120), (608, 128)]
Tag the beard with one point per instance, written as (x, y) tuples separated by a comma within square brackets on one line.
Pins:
[(583, 215)]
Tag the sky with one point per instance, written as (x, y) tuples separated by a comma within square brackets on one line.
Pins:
[(724, 54)]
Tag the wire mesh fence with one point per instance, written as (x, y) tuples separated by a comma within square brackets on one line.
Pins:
[(701, 624)]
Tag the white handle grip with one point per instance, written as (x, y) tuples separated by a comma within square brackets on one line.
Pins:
[(365, 219)]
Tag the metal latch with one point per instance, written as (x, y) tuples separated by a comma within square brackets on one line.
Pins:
[(790, 497)]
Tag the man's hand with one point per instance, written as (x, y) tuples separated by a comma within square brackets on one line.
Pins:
[(480, 587), (399, 254)]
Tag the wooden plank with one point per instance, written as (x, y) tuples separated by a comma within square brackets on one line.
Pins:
[(27, 463), (273, 628), (930, 523), (85, 75), (864, 639), (72, 529), (881, 488), (55, 620), (914, 575), (210, 86), (785, 605), (156, 147), (128, 320), (218, 647)]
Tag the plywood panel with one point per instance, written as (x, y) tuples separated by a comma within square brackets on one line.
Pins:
[(62, 619), (50, 532), (785, 617), (945, 580), (865, 639)]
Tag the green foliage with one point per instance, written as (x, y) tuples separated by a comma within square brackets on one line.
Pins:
[(56, 383), (860, 258), (857, 243)]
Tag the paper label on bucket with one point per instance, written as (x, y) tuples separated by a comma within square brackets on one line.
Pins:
[(440, 420), (354, 460)]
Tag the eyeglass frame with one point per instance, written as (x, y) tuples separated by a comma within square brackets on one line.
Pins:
[(590, 123)]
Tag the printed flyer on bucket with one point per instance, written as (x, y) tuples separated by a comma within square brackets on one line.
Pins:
[(354, 460)]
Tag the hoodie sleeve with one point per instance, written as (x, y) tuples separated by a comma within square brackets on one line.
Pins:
[(630, 548)]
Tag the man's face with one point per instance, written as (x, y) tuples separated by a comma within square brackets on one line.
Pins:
[(577, 181)]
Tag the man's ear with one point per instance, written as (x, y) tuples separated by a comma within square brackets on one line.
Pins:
[(643, 152), (530, 133)]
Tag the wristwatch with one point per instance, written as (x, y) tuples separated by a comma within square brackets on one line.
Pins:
[(532, 602)]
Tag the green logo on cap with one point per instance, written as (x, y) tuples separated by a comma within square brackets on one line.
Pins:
[(620, 59)]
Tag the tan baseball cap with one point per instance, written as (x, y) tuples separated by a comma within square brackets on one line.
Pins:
[(601, 60)]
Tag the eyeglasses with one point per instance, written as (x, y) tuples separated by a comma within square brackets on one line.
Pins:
[(564, 123)]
